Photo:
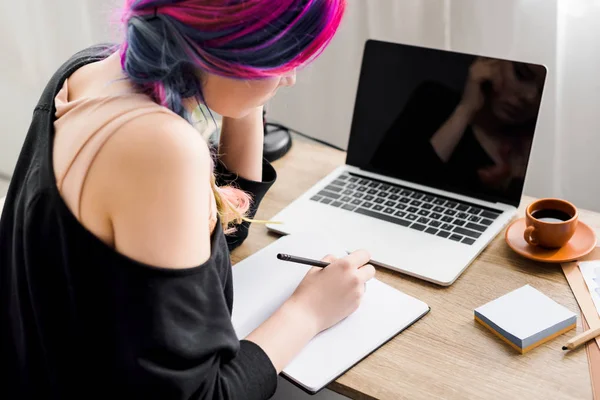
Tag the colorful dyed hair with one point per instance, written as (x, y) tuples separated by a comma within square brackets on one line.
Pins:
[(168, 41)]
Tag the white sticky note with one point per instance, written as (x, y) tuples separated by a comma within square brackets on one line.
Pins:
[(526, 316)]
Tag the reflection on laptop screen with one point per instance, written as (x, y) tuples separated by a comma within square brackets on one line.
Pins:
[(446, 120)]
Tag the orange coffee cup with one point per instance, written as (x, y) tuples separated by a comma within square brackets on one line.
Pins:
[(551, 223)]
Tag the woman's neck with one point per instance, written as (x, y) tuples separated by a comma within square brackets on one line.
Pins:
[(102, 78)]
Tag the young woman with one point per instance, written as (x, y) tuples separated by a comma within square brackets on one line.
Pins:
[(115, 236)]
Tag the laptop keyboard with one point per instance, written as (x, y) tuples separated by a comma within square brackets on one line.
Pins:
[(421, 211)]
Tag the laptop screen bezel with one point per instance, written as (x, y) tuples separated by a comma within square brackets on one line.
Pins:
[(355, 134)]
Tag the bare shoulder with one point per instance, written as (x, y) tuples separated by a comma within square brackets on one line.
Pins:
[(157, 170)]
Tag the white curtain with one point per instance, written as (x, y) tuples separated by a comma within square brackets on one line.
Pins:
[(576, 168)]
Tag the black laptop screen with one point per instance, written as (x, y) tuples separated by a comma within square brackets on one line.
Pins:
[(452, 121)]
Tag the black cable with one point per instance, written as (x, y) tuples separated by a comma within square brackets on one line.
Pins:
[(280, 127)]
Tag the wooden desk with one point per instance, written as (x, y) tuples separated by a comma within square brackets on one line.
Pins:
[(446, 354)]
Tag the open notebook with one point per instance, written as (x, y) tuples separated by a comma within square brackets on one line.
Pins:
[(262, 283)]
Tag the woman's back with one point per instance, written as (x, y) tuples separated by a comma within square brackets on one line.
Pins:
[(76, 313)]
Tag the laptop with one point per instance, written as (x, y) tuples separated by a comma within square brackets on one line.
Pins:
[(437, 157)]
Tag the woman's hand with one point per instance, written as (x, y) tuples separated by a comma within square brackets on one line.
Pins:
[(324, 297), (482, 71), (331, 294)]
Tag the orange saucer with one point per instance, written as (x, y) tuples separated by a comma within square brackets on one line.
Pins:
[(581, 244)]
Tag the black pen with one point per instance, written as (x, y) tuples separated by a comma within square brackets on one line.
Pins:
[(302, 260)]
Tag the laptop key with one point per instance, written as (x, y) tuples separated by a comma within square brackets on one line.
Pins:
[(325, 193), (428, 198), (383, 194), (390, 203), (418, 227), (364, 181), (415, 203), (372, 191), (435, 216), (389, 210), (435, 224), (384, 187), (369, 197), (462, 207), (405, 200), (343, 177), (401, 206), (447, 219), (377, 207), (366, 204), (451, 204), (474, 210), (427, 206), (358, 195), (447, 227), (475, 219), (316, 198), (486, 222), (352, 186), (450, 212), (334, 189), (347, 192), (417, 196), (443, 234), (490, 215), (356, 202), (338, 182), (456, 238), (400, 214), (411, 217), (439, 209), (337, 204), (353, 179), (412, 209), (439, 202), (346, 199), (378, 200), (424, 213), (394, 190), (468, 241), (467, 232), (326, 200), (406, 192), (459, 222), (383, 217), (477, 227), (462, 215), (349, 207), (431, 231), (423, 220), (373, 184), (362, 189), (394, 197)]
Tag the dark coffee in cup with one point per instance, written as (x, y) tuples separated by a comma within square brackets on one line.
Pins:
[(551, 215), (550, 223)]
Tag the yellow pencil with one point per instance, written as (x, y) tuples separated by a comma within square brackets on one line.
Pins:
[(581, 339)]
